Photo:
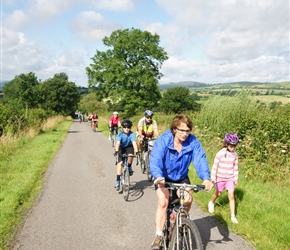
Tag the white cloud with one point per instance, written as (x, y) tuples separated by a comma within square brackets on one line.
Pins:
[(116, 5), (91, 26), (46, 10)]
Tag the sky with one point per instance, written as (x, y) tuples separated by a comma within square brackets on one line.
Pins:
[(209, 41)]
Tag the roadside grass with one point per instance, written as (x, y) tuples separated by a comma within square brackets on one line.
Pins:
[(22, 169)]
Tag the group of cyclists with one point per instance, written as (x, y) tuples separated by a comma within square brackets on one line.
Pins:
[(126, 141), (170, 159)]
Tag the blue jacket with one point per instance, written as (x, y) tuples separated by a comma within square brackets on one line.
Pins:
[(166, 162)]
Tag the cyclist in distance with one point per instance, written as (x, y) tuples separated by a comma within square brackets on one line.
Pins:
[(147, 128), (114, 123), (95, 120), (125, 144), (170, 159)]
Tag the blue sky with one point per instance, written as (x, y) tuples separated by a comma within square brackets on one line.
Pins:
[(210, 41)]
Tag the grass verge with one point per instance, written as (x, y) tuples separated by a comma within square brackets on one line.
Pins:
[(21, 177)]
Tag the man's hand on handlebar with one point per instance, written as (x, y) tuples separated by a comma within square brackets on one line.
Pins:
[(208, 185), (159, 181)]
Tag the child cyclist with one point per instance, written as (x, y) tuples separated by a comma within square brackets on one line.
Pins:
[(224, 173), (126, 143)]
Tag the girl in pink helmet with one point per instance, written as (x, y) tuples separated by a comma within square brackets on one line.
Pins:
[(224, 173)]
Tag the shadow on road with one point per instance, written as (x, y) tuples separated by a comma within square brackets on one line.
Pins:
[(205, 225), (137, 189)]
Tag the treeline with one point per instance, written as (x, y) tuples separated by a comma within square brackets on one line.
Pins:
[(28, 101)]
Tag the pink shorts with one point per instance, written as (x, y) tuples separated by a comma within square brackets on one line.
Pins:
[(230, 185)]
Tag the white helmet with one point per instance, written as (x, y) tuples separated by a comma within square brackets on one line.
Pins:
[(115, 113)]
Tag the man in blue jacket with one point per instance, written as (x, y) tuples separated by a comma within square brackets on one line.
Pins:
[(170, 160)]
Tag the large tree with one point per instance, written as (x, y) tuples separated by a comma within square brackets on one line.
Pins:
[(176, 100), (59, 95), (24, 90), (128, 72)]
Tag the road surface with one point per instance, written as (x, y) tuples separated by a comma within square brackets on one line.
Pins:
[(80, 209)]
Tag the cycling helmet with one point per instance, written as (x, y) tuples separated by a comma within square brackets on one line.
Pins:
[(232, 139), (126, 123), (115, 113), (148, 113)]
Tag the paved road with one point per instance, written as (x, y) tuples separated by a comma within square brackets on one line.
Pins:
[(79, 208)]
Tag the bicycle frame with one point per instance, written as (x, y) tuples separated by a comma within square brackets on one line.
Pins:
[(125, 177), (182, 217)]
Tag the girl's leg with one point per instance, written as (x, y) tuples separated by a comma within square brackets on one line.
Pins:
[(215, 196), (232, 201)]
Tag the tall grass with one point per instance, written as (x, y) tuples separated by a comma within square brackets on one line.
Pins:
[(23, 163)]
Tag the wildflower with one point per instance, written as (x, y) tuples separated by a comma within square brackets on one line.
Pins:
[(283, 151), (275, 145)]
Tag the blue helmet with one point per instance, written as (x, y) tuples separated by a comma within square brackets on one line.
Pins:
[(148, 113)]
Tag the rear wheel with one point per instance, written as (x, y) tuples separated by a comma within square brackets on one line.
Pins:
[(186, 237), (126, 184)]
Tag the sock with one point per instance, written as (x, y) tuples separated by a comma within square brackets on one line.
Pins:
[(159, 233), (233, 215), (118, 177)]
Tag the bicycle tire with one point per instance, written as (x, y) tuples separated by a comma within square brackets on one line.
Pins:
[(126, 184), (113, 140), (147, 164), (189, 236), (142, 163)]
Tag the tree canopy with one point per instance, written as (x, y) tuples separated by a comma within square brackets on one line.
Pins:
[(177, 100), (129, 70)]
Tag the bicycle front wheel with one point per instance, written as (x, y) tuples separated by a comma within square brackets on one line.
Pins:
[(113, 140), (186, 237), (126, 184), (147, 164)]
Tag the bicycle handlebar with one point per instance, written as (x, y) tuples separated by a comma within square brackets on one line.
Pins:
[(173, 185)]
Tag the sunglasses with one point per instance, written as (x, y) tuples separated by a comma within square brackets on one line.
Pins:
[(126, 127), (148, 117), (183, 130)]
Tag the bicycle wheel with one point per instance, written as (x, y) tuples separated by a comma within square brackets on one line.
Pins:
[(147, 164), (142, 163), (126, 184), (113, 140), (186, 237)]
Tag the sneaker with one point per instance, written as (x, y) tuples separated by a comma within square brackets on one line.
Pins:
[(117, 185), (157, 243), (131, 171), (234, 220), (211, 207)]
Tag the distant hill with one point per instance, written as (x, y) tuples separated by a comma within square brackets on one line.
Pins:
[(186, 84), (200, 85)]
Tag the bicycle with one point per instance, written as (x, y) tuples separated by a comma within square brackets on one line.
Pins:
[(145, 157), (94, 125), (150, 144), (180, 232), (125, 176), (114, 135)]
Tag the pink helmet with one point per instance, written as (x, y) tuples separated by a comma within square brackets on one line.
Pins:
[(232, 139)]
